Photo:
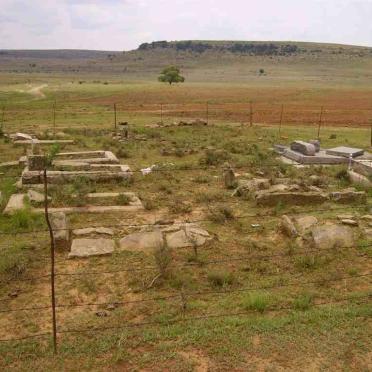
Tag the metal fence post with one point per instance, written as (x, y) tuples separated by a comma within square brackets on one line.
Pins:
[(52, 254)]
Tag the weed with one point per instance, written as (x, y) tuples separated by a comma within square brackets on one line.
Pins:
[(214, 157), (180, 207), (256, 301), (303, 301), (221, 214), (163, 259), (202, 179), (221, 278)]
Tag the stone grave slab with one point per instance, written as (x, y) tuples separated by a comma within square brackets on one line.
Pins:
[(345, 151), (304, 148), (16, 202), (82, 248)]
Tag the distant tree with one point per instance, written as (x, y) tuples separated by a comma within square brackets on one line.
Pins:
[(171, 75)]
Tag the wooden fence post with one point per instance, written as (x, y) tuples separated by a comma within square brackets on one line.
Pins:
[(207, 112), (52, 254)]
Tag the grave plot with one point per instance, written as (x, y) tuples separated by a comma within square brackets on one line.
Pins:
[(23, 139), (98, 166), (310, 153)]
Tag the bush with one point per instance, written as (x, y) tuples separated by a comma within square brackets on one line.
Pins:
[(221, 278), (180, 207), (13, 262)]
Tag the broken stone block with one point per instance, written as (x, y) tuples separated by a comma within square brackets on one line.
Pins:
[(36, 162), (142, 241), (15, 202), (316, 144), (246, 187), (187, 235), (304, 223), (359, 179), (348, 196), (349, 222), (332, 236), (304, 148), (36, 197), (93, 230), (61, 232), (265, 198), (288, 227), (91, 247), (20, 137)]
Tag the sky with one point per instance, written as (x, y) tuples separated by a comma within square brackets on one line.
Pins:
[(124, 24)]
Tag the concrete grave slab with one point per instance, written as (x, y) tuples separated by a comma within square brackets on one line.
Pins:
[(82, 248), (345, 151)]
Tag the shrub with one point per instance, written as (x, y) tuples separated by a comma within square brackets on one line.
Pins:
[(163, 259), (221, 278), (214, 157), (180, 207), (123, 199)]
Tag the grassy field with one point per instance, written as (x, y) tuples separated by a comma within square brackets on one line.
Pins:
[(252, 299)]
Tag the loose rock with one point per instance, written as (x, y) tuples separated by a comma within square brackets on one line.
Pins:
[(332, 236)]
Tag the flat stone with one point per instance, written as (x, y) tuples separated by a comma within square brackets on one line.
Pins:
[(61, 232), (359, 179), (91, 247), (288, 227), (304, 148), (93, 230), (367, 217), (363, 166), (345, 217), (348, 196), (188, 235), (304, 223), (36, 197), (142, 241), (368, 233), (332, 236), (16, 202), (349, 222), (297, 198), (344, 151), (320, 157)]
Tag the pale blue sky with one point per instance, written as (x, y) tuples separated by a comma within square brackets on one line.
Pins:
[(124, 24)]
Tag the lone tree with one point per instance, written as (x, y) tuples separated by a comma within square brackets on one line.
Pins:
[(171, 75)]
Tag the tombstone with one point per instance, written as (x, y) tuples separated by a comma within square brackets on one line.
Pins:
[(316, 143), (304, 148), (61, 231), (229, 178), (36, 162)]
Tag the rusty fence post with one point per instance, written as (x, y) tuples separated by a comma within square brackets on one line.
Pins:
[(52, 259), (161, 113), (281, 120), (207, 112), (250, 114), (320, 121), (54, 118), (115, 117)]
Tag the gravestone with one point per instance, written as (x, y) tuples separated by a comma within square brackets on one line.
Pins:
[(36, 162), (304, 148)]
